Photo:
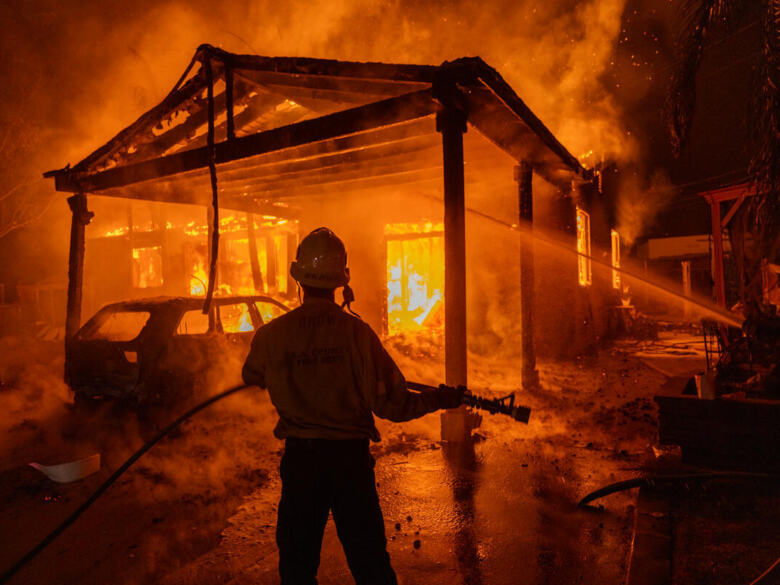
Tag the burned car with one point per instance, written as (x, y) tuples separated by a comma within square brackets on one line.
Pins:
[(165, 349)]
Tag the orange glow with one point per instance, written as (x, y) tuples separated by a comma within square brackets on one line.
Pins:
[(415, 276), (272, 236), (583, 247), (615, 237), (236, 318), (280, 241), (268, 311), (198, 279), (147, 267)]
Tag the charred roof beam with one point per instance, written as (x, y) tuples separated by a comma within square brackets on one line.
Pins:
[(360, 119)]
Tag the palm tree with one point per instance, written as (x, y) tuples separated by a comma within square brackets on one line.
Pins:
[(698, 19)]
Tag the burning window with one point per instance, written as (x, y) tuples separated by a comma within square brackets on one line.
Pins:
[(615, 259), (147, 267), (415, 276), (583, 247)]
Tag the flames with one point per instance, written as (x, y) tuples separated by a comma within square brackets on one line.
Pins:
[(615, 239), (177, 247), (415, 276), (198, 279), (236, 318), (147, 267), (584, 270)]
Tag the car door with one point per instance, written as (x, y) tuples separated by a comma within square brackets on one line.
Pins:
[(103, 359)]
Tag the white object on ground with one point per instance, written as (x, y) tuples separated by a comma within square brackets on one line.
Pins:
[(67, 472), (706, 385)]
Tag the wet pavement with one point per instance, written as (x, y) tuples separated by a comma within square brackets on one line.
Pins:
[(488, 512), (201, 507)]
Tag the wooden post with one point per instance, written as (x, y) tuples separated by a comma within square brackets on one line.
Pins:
[(686, 285), (451, 122), (80, 219), (719, 284), (524, 178), (271, 261), (231, 125), (257, 275)]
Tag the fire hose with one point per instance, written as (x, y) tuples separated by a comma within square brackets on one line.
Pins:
[(112, 478), (653, 481), (503, 405)]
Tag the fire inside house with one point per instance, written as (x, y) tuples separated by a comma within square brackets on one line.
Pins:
[(303, 142)]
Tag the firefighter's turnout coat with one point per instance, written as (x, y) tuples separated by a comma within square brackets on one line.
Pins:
[(327, 372)]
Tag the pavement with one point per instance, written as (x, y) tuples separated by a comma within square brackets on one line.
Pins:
[(465, 513)]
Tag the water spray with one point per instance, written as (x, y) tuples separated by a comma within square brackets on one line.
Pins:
[(718, 313)]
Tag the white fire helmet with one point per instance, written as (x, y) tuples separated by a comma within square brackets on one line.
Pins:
[(321, 260)]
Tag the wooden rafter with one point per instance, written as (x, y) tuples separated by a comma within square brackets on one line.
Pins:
[(390, 111)]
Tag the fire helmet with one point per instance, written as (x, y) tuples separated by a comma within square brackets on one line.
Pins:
[(321, 260)]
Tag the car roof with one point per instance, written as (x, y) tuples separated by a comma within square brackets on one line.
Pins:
[(153, 303)]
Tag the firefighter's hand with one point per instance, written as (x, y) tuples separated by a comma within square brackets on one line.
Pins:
[(449, 396)]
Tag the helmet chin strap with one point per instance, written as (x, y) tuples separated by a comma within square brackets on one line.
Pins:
[(349, 298)]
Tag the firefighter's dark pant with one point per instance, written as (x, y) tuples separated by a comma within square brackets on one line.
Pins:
[(318, 476)]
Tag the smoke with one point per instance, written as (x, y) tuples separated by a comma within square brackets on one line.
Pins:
[(553, 54), (639, 203), (32, 392)]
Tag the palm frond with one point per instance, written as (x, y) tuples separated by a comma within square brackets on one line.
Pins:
[(765, 164), (696, 19)]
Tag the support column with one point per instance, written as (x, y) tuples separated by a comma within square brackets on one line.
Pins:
[(451, 122), (685, 266), (254, 263), (81, 218), (524, 178), (719, 286)]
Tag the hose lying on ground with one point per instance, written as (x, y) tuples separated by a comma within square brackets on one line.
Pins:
[(114, 476), (766, 573), (654, 480)]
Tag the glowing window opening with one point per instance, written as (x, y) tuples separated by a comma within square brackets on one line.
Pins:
[(121, 326), (193, 323), (615, 237), (235, 318), (147, 267), (415, 276), (584, 270)]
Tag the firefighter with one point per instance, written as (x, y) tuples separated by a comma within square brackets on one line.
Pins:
[(327, 374)]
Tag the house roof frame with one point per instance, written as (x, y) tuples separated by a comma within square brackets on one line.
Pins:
[(414, 92)]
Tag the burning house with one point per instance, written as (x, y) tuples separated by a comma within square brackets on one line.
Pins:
[(426, 171)]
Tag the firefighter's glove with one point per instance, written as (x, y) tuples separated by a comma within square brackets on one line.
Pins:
[(449, 396)]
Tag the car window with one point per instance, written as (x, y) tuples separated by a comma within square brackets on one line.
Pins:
[(193, 323), (121, 326), (268, 311), (235, 318)]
